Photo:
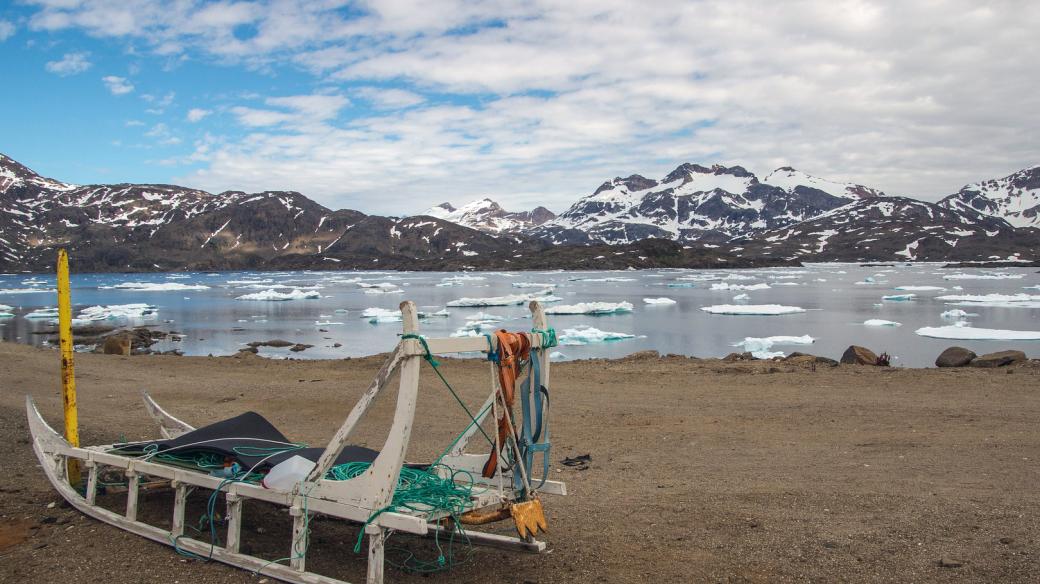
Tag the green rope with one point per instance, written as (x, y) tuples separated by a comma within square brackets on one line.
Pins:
[(548, 337)]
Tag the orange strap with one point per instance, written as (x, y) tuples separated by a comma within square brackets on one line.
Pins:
[(513, 349)]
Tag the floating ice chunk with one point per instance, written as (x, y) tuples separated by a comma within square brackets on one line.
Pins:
[(583, 335), (117, 312), (443, 313), (742, 297), (556, 356), (899, 297), (956, 314), (27, 291), (509, 300), (43, 313), (752, 309), (533, 285), (467, 331), (464, 278), (384, 291), (379, 286), (611, 279), (920, 288), (340, 311), (154, 286), (995, 276), (6, 308), (377, 315), (681, 285), (592, 308), (759, 346), (659, 301), (968, 333), (326, 323), (736, 287), (983, 299), (881, 322), (484, 316), (274, 295), (243, 282), (1037, 287)]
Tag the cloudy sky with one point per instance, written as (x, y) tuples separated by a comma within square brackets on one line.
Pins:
[(391, 106)]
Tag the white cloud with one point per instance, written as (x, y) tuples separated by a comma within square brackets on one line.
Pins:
[(69, 64), (196, 114), (7, 29), (540, 102), (117, 85), (163, 135)]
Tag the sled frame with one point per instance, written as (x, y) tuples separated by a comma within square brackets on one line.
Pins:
[(353, 500)]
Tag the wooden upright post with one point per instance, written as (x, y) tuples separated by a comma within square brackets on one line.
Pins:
[(68, 374)]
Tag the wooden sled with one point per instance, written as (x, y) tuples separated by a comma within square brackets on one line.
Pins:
[(356, 499)]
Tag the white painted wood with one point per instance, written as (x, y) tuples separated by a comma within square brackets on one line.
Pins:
[(169, 426), (92, 480), (234, 517), (132, 492), (493, 540), (298, 551), (180, 501), (376, 542)]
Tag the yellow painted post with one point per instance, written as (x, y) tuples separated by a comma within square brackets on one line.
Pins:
[(68, 374)]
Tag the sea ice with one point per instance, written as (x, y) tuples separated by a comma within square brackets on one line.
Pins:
[(154, 286), (681, 285), (556, 355), (43, 313), (274, 295), (920, 288), (377, 315), (968, 333), (881, 322), (27, 291), (591, 308), (984, 276), (956, 314), (533, 285), (509, 300), (117, 312), (659, 301), (384, 291), (583, 335), (742, 297), (611, 279), (484, 316), (899, 297), (759, 346), (752, 309), (991, 299), (738, 287)]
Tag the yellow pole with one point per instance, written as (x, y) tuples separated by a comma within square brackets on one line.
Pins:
[(68, 374)]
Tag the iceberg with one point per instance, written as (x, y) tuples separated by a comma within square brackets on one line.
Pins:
[(968, 333), (591, 308), (659, 301), (752, 309), (583, 335), (509, 300), (739, 287), (377, 315), (899, 297), (984, 277), (154, 286), (6, 308), (116, 312), (881, 322), (956, 314), (920, 288), (27, 291), (759, 346), (274, 295), (43, 313)]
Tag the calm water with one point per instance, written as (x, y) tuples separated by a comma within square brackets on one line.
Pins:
[(214, 322)]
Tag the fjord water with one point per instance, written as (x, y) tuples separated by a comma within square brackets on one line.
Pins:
[(838, 298)]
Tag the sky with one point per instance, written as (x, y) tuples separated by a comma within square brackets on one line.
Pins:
[(393, 106)]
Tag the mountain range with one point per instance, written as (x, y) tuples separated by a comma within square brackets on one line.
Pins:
[(696, 216)]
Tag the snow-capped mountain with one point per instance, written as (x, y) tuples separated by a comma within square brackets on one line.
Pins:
[(488, 216), (1015, 198), (698, 203), (894, 228)]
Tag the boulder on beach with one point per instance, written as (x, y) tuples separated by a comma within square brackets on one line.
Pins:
[(856, 355), (745, 356), (954, 357), (998, 359), (798, 358)]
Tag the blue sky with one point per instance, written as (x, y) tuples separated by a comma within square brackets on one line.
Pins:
[(393, 106)]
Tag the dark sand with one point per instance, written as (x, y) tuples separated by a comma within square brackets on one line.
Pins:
[(701, 470)]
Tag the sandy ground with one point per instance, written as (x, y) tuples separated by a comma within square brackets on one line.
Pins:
[(702, 471)]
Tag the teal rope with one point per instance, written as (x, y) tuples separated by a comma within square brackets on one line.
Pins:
[(548, 337)]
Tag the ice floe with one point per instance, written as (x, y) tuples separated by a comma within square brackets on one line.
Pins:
[(384, 291), (681, 285), (27, 291), (742, 297), (969, 333), (881, 322), (737, 287), (591, 308), (508, 300), (274, 295), (899, 297), (378, 315), (583, 335), (117, 312), (154, 286), (920, 288), (989, 297), (533, 285), (760, 346), (658, 301), (43, 313), (956, 314), (997, 276), (611, 279), (752, 309)]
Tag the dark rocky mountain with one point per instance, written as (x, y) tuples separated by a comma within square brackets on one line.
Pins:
[(488, 216), (1015, 198), (895, 228), (698, 203)]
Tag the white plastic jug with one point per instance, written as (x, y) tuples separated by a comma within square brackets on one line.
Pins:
[(287, 473)]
